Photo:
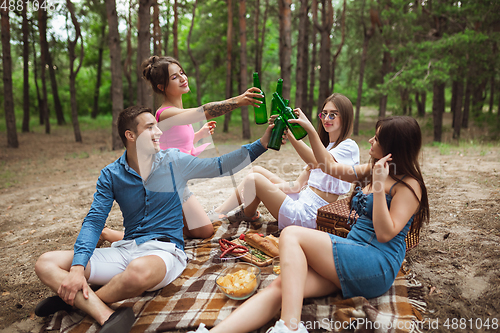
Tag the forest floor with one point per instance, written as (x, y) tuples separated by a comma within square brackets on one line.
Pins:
[(46, 188)]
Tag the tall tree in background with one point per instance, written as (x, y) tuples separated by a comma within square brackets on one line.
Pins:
[(457, 116), (144, 92), (243, 66), (368, 34), (312, 67), (8, 98), (101, 11), (44, 109), (229, 51), (116, 71), (259, 41), (324, 53), (193, 59), (175, 30), (35, 74), (157, 47), (72, 72), (302, 57), (285, 18), (53, 84), (26, 70), (127, 65), (341, 45)]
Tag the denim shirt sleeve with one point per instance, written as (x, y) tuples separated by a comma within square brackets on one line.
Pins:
[(192, 167), (95, 220)]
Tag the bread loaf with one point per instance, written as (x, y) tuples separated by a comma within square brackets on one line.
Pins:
[(265, 245)]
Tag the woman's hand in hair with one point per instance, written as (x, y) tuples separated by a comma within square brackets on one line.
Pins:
[(303, 121), (380, 173)]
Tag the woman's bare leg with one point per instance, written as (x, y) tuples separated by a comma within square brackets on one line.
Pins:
[(196, 222), (234, 199), (257, 188), (262, 307), (303, 250), (111, 235)]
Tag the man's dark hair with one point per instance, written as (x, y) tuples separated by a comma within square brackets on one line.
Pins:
[(127, 120)]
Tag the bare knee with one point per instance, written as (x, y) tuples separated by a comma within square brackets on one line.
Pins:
[(46, 263), (291, 233), (138, 276), (258, 169)]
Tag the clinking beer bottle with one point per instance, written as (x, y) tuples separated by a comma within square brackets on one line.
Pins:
[(277, 134), (279, 90), (260, 112), (287, 113)]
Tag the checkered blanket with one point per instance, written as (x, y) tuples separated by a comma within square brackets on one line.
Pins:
[(193, 298)]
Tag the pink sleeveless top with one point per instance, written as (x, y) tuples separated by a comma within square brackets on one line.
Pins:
[(180, 137)]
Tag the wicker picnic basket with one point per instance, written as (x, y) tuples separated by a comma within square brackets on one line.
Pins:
[(333, 219)]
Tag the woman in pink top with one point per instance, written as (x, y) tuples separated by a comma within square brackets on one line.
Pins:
[(169, 80)]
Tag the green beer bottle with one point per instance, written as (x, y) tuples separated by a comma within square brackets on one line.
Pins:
[(279, 90), (260, 112), (287, 113), (277, 134)]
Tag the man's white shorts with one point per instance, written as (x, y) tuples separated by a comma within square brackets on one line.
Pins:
[(105, 263)]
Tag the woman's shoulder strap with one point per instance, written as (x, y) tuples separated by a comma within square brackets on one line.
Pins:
[(158, 113)]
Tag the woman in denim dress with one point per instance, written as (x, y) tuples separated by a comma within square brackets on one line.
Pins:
[(390, 198)]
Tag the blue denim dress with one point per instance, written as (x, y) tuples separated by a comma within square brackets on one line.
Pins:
[(365, 266)]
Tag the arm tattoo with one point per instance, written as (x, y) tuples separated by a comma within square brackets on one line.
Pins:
[(216, 109)]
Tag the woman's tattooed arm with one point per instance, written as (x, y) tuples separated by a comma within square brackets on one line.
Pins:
[(216, 109)]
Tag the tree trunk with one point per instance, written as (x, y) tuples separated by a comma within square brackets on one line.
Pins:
[(174, 30), (157, 47), (95, 109), (44, 109), (116, 71), (127, 66), (420, 104), (144, 92), (35, 74), (193, 59), (167, 31), (285, 17), (478, 97), (368, 34), (404, 95), (386, 68), (26, 71), (55, 91), (260, 49), (8, 94), (438, 109), (325, 54), (457, 116), (72, 72), (300, 78), (229, 50), (243, 67), (341, 45), (256, 35), (492, 94), (453, 102), (465, 116), (312, 73)]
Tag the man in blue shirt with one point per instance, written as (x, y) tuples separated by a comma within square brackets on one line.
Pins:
[(145, 181)]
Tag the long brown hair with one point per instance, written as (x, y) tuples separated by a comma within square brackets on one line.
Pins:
[(402, 138), (155, 70), (346, 113)]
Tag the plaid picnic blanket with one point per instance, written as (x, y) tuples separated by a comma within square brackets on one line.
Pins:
[(193, 298)]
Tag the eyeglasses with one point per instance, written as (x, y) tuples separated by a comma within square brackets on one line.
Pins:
[(331, 116)]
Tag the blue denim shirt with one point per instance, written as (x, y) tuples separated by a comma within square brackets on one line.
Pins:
[(152, 209)]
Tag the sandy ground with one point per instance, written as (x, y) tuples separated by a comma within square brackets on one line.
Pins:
[(46, 189)]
